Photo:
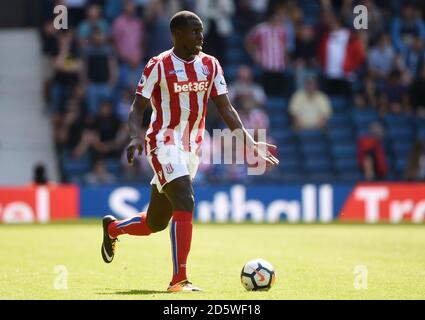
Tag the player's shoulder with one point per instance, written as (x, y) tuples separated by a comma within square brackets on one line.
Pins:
[(204, 56), (158, 58)]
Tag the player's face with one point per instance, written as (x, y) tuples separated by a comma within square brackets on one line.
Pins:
[(191, 36)]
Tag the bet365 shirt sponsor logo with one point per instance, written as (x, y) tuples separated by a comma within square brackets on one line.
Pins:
[(189, 86)]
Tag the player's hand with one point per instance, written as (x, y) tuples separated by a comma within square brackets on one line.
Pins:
[(135, 144), (263, 151)]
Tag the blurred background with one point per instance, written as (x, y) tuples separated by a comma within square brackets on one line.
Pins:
[(343, 105)]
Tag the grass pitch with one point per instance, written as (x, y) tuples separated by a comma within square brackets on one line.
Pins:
[(311, 261)]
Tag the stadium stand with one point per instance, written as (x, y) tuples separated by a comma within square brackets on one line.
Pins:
[(330, 154)]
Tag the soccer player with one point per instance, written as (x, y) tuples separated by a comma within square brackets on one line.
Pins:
[(177, 83)]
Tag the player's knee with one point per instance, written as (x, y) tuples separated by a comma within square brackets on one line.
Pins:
[(157, 226)]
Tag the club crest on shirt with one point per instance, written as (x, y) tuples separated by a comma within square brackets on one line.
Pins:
[(142, 80), (205, 70), (169, 168)]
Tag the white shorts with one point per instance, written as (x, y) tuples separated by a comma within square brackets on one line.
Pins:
[(170, 162)]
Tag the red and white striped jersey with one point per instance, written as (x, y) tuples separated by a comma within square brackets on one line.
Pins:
[(179, 92), (271, 45)]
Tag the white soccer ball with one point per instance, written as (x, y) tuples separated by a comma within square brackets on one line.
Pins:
[(258, 275)]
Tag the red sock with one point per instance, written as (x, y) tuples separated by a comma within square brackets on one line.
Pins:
[(135, 226), (181, 237)]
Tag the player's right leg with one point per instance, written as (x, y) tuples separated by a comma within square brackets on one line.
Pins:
[(156, 219)]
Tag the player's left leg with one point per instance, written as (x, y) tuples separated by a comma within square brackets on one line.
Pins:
[(143, 224), (155, 219)]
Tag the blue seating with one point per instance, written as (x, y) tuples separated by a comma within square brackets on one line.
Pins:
[(318, 165), (346, 165), (400, 164), (235, 56), (76, 166), (288, 149), (350, 177), (290, 164), (420, 133), (314, 148), (276, 103), (323, 177), (339, 103), (401, 147), (396, 120), (279, 119), (311, 136), (341, 119), (283, 135), (344, 150), (404, 133), (114, 166), (341, 134), (364, 118)]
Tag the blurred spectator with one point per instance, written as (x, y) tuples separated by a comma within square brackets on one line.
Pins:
[(417, 94), (40, 175), (404, 28), (394, 88), (50, 48), (309, 107), (414, 58), (112, 9), (246, 16), (128, 33), (93, 22), (67, 67), (415, 170), (105, 136), (129, 73), (370, 153), (99, 175), (216, 16), (100, 68), (246, 87), (267, 44), (69, 128), (341, 53), (369, 87), (304, 54), (124, 104), (157, 29), (251, 114), (375, 19), (381, 57)]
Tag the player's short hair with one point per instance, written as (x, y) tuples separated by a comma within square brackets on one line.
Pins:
[(180, 20)]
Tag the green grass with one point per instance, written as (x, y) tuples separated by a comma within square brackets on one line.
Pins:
[(311, 261)]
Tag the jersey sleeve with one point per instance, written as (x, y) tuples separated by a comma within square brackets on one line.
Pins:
[(219, 83), (149, 79)]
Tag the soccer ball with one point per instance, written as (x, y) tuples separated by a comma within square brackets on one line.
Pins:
[(258, 275)]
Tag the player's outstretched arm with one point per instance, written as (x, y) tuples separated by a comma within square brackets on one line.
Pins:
[(135, 120), (233, 121)]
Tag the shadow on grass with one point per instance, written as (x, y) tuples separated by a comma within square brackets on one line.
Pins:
[(130, 292)]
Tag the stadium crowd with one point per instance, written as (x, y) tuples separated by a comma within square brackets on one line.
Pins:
[(341, 104)]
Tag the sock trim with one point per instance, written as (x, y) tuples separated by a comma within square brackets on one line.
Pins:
[(125, 223), (173, 232)]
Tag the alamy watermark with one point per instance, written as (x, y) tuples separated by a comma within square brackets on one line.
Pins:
[(60, 282), (360, 21), (61, 19), (224, 146), (360, 277)]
